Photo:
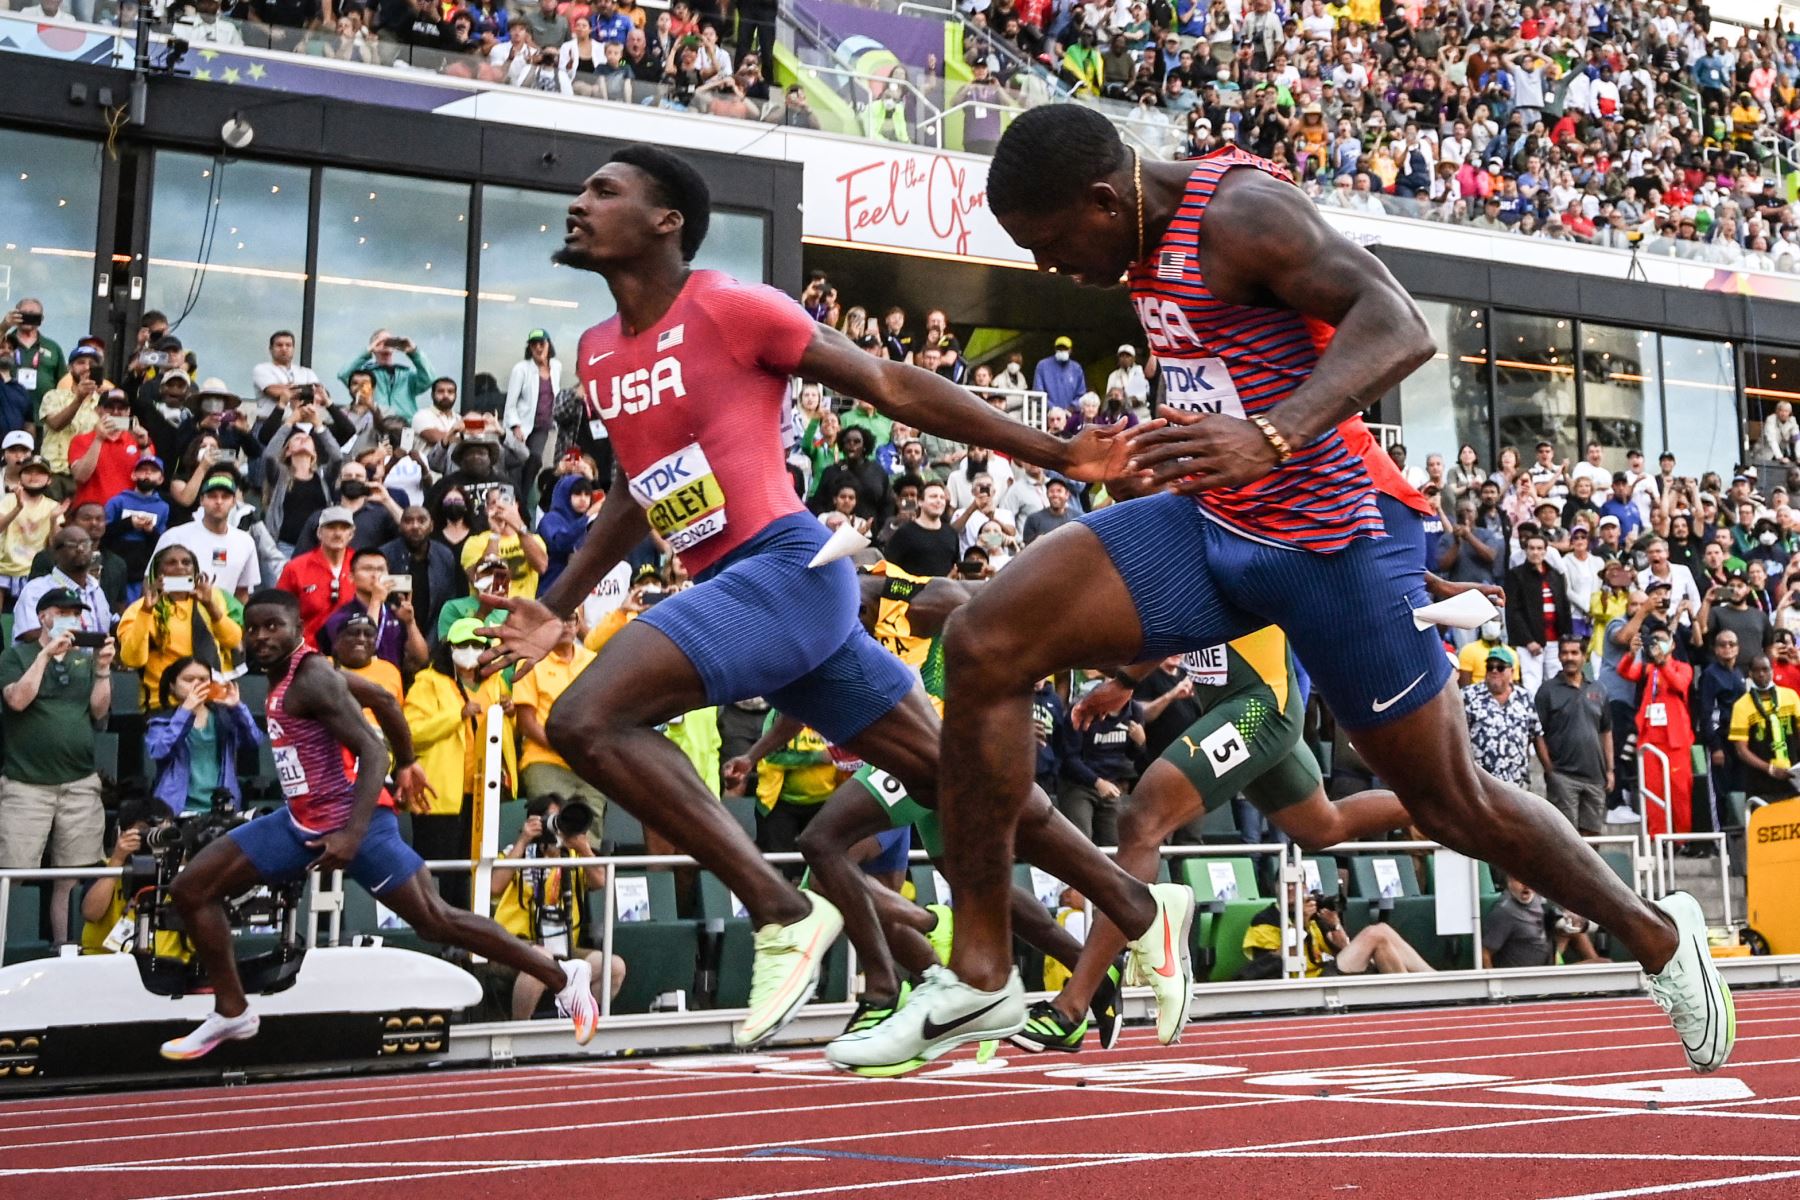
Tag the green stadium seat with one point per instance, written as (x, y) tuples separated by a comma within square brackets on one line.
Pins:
[(106, 756), (253, 690), (127, 697), (25, 932), (512, 819), (1219, 827), (623, 832), (1226, 937), (1216, 890), (1365, 882), (661, 954), (743, 811)]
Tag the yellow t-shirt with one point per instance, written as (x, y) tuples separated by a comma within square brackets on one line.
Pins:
[(538, 689), (529, 887), (29, 532), (55, 449), (1748, 722), (169, 944), (1473, 658), (508, 550)]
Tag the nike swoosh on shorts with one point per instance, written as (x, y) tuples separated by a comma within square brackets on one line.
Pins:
[(1382, 706)]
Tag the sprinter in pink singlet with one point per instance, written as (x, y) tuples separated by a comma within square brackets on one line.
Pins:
[(333, 820)]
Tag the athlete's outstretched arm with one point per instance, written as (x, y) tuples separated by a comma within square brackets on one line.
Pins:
[(1281, 253), (928, 401), (533, 627)]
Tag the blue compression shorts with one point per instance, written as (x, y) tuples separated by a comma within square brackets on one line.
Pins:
[(1347, 615), (895, 844), (760, 622), (276, 847)]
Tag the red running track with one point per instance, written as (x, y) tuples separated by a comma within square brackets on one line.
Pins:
[(1568, 1100)]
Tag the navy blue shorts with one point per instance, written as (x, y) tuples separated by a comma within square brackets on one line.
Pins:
[(1347, 615), (760, 622), (895, 844), (276, 847)]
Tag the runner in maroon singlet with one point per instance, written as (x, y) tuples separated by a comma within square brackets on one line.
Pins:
[(333, 820)]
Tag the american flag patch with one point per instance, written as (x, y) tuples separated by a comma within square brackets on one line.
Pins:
[(1171, 264), (670, 337)]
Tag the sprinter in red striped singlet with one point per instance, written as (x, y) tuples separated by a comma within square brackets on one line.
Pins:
[(1271, 330), (333, 820)]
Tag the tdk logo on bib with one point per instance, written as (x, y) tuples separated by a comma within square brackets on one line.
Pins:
[(681, 497), (1200, 385)]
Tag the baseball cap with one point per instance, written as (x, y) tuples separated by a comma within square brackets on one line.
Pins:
[(1504, 654), (18, 438), (85, 351), (337, 514), (1608, 519), (463, 631), (61, 598), (225, 483), (172, 376), (1656, 584), (536, 335), (36, 462), (1063, 343), (1128, 348), (148, 460), (1732, 576)]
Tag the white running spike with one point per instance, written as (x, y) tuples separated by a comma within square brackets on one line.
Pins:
[(1465, 610), (844, 542)]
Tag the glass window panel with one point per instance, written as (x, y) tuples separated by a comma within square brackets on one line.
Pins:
[(1535, 392), (1444, 404), (1770, 377), (1619, 374), (1700, 400), (522, 290), (49, 194), (228, 284), (393, 254)]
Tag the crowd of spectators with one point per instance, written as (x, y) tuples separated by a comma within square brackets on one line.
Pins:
[(1666, 604), (1629, 125)]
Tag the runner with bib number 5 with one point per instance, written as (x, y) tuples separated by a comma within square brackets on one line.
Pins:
[(688, 381)]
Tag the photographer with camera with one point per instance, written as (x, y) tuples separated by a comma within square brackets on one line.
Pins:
[(1664, 721), (398, 369), (57, 688), (1328, 950), (108, 909), (545, 905), (386, 600), (180, 615), (196, 740), (1733, 607)]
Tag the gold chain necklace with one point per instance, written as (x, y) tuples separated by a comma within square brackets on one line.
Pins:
[(1137, 185)]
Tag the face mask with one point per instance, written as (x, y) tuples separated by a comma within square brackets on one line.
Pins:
[(1491, 631), (1062, 356), (38, 491), (1767, 539), (466, 658), (146, 488), (62, 625), (354, 489), (210, 407), (456, 511)]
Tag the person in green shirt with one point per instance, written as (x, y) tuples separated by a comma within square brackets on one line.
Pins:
[(41, 363), (55, 695), (863, 416)]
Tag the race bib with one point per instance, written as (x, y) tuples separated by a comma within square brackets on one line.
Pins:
[(887, 789), (289, 772), (26, 377), (682, 498), (1658, 715), (1205, 667), (1200, 385)]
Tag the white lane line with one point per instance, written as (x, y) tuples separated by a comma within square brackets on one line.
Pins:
[(96, 1122), (1692, 1185)]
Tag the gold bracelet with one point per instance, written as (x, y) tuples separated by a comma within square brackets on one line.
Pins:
[(1283, 451)]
